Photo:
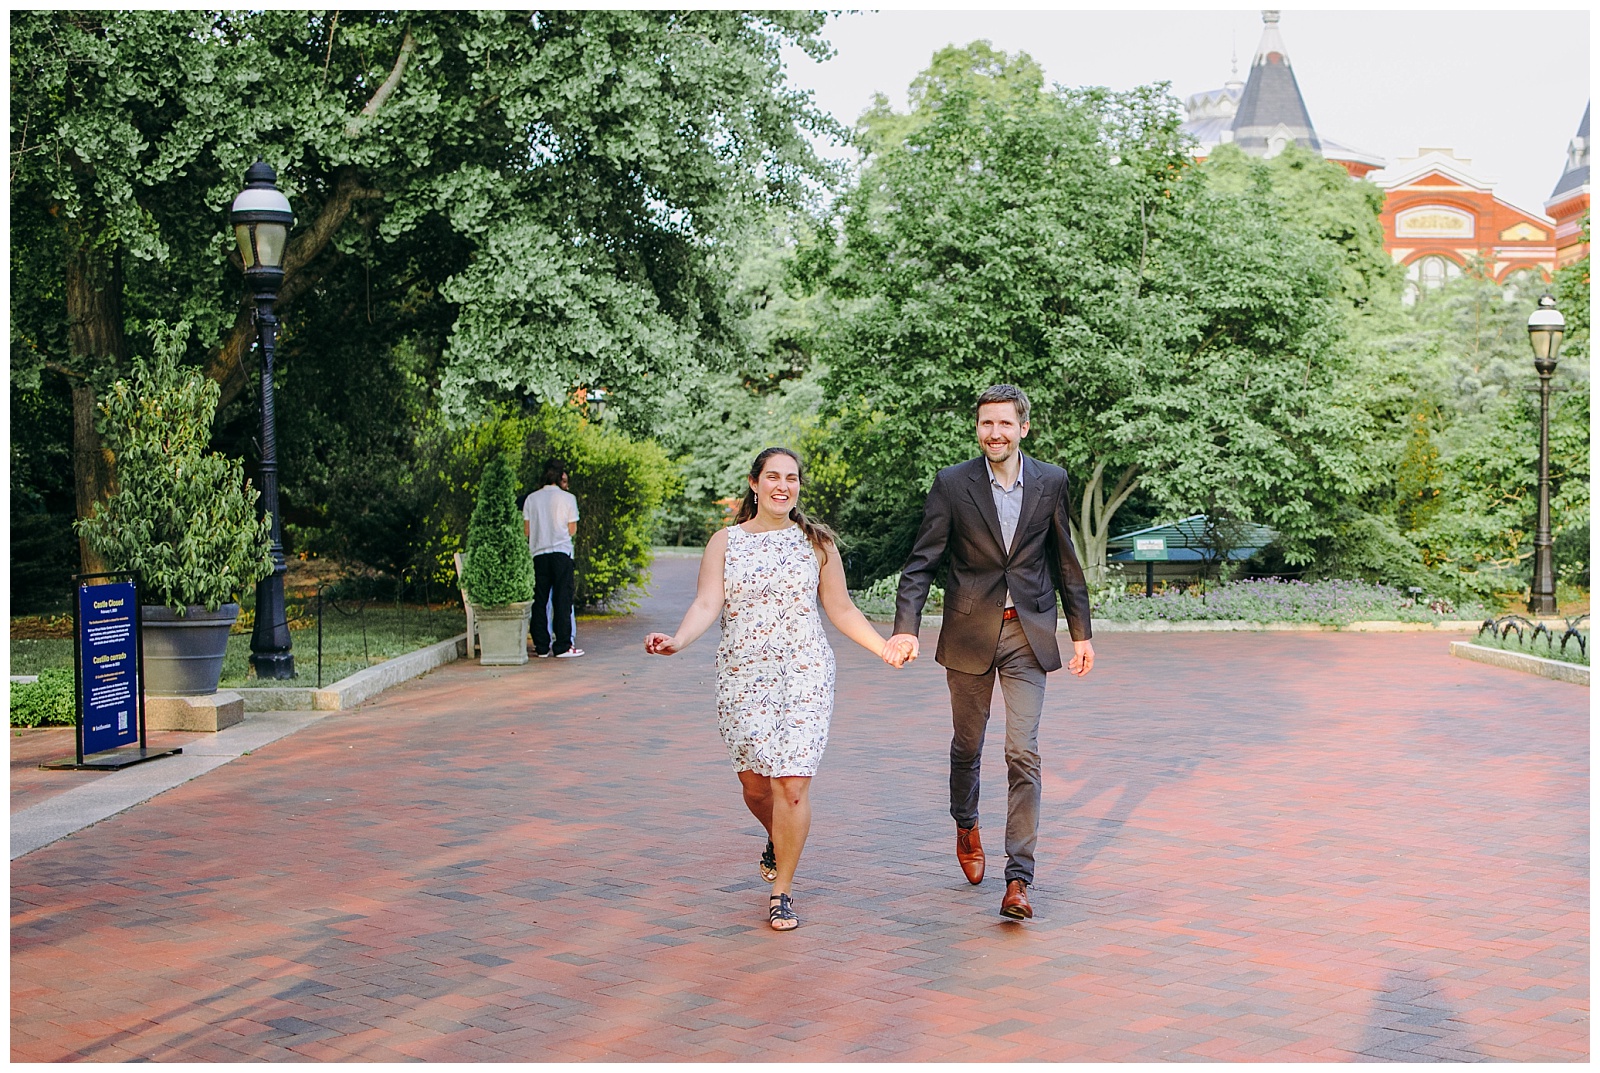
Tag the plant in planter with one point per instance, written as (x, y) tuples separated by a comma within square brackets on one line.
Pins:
[(182, 516), (498, 575)]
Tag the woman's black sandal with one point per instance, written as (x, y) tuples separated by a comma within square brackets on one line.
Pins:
[(780, 912), (769, 863)]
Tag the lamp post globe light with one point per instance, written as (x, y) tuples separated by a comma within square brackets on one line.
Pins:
[(596, 398), (261, 219), (1546, 327)]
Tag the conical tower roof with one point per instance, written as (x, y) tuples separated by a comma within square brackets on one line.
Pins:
[(1272, 114), (1577, 171)]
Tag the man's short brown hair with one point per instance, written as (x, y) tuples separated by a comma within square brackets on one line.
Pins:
[(1007, 393)]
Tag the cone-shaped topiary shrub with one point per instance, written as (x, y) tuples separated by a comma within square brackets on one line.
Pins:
[(499, 567), (183, 516)]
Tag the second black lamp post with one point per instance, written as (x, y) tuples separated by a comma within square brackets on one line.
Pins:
[(261, 220)]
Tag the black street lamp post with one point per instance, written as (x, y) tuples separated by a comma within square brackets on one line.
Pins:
[(1545, 329), (261, 220)]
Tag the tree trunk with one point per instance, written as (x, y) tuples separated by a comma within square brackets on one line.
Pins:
[(94, 341), (1092, 530)]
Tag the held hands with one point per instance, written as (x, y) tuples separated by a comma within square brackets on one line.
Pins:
[(659, 644), (900, 649)]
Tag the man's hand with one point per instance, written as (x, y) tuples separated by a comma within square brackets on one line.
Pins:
[(901, 649), (1082, 658)]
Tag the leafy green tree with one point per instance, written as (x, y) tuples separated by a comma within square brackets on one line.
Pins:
[(1175, 337), (1571, 290), (1317, 196), (1418, 481), (1466, 358), (183, 517), (594, 164), (44, 549), (721, 420)]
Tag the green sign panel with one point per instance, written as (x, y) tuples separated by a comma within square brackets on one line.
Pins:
[(1150, 549)]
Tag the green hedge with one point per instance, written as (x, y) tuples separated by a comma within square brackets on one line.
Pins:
[(45, 703), (620, 484)]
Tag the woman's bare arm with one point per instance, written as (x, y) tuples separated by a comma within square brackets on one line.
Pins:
[(707, 605), (843, 612)]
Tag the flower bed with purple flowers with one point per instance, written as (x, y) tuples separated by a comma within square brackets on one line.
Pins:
[(1331, 603)]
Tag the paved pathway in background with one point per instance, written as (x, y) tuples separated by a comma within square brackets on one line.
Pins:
[(1271, 846)]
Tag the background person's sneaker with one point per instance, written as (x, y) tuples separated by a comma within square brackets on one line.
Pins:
[(571, 653)]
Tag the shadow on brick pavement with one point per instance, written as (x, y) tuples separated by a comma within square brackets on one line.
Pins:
[(1254, 847)]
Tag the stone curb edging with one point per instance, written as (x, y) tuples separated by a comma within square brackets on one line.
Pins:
[(1557, 669), (348, 692), (1233, 626)]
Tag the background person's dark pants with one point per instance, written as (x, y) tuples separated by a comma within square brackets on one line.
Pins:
[(1022, 684), (553, 575)]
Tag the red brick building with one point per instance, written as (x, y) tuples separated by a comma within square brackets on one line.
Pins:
[(1438, 217)]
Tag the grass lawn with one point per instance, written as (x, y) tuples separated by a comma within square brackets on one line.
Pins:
[(350, 643)]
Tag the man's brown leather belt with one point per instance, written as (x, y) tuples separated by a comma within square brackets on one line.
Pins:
[(1010, 614)]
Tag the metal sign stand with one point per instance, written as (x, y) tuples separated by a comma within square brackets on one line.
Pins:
[(103, 757), (1151, 550)]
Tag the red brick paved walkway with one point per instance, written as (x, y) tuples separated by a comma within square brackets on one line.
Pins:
[(1265, 846), (37, 745)]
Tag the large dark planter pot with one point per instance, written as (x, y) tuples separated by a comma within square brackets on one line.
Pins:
[(183, 654)]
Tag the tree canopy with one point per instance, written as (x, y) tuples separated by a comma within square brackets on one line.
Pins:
[(1175, 337), (585, 176)]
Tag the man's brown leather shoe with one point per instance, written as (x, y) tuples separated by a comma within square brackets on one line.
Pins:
[(969, 852), (1015, 903)]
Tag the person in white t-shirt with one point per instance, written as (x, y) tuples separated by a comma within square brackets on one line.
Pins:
[(550, 519)]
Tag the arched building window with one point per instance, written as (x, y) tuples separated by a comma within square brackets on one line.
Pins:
[(1521, 282), (1427, 274)]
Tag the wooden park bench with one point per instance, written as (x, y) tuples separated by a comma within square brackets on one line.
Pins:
[(472, 625)]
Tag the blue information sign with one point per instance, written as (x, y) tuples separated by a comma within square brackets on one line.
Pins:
[(108, 669)]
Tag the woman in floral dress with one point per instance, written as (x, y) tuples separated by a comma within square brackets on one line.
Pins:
[(764, 576)]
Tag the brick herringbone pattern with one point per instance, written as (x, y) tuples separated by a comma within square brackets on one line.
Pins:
[(1254, 847)]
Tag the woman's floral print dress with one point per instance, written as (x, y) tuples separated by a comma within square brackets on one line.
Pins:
[(774, 666)]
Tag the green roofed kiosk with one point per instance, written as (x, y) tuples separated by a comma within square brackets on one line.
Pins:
[(1188, 546)]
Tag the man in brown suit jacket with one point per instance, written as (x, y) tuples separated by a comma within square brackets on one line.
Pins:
[(1003, 521)]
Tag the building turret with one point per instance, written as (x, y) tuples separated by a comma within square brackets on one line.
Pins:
[(1271, 113), (1569, 201)]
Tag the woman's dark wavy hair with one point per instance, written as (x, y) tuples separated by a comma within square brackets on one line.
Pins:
[(818, 534)]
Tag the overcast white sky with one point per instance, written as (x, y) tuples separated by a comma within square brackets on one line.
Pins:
[(1504, 89)]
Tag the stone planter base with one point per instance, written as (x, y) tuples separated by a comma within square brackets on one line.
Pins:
[(503, 634), (216, 711)]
